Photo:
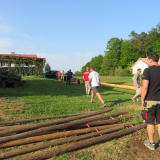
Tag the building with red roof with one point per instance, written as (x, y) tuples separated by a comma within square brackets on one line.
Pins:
[(21, 60), (140, 63)]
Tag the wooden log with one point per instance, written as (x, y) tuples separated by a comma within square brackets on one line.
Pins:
[(58, 142), (118, 86), (95, 123), (44, 124), (58, 135), (41, 118), (82, 144), (56, 127)]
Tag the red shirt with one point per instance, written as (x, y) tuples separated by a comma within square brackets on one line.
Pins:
[(86, 74)]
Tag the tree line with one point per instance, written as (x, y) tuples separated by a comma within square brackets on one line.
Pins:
[(122, 53)]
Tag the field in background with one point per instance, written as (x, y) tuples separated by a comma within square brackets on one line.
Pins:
[(44, 97)]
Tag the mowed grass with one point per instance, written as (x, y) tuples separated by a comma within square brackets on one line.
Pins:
[(46, 97), (41, 97)]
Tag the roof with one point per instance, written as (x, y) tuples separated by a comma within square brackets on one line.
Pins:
[(22, 55), (143, 60)]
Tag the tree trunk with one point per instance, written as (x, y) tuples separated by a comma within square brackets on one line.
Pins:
[(44, 124), (56, 127), (58, 142), (82, 144)]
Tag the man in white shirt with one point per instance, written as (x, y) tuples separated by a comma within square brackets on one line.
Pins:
[(94, 79)]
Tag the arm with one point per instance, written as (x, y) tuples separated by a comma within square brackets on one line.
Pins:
[(145, 84), (90, 80), (136, 83)]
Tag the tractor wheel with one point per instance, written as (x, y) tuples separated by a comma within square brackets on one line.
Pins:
[(15, 84), (3, 83)]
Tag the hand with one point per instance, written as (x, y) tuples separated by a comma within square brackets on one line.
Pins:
[(142, 101), (138, 86)]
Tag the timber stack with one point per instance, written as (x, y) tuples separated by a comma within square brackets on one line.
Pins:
[(82, 129)]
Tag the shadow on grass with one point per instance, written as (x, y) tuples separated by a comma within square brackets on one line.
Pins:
[(52, 87)]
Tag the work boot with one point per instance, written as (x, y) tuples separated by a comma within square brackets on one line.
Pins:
[(150, 145), (103, 105), (133, 99)]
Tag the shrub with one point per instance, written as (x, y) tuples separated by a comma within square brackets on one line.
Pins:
[(122, 72)]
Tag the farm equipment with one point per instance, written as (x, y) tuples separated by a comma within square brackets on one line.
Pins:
[(7, 79)]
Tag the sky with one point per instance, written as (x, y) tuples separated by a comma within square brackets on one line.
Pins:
[(69, 33)]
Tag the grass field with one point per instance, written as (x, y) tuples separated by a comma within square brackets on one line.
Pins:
[(45, 97)]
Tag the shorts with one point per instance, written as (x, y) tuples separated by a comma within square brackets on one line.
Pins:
[(153, 112), (87, 85), (59, 77), (62, 77), (95, 89), (138, 90)]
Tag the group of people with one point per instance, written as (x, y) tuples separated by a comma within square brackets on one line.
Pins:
[(92, 80), (150, 96), (69, 76)]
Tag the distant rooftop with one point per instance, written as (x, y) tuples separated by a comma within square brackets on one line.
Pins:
[(21, 55)]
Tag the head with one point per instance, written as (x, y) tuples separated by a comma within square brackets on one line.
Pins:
[(152, 59), (63, 71), (69, 70), (91, 69), (138, 70), (87, 69)]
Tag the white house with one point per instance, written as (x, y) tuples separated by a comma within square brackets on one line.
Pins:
[(140, 63)]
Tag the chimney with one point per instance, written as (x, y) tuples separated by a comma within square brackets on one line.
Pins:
[(12, 53)]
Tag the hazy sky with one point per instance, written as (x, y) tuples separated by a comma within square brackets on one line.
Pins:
[(68, 33)]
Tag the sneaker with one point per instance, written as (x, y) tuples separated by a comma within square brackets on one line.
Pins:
[(150, 145), (90, 101), (103, 105), (133, 99), (88, 95)]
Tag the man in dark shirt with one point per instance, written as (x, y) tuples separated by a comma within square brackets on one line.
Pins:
[(68, 77), (150, 97), (71, 78)]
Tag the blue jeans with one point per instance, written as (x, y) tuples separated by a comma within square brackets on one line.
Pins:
[(68, 80)]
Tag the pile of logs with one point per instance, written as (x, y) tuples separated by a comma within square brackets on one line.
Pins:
[(88, 130)]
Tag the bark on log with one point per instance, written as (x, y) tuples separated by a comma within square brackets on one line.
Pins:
[(44, 124), (94, 123), (56, 127), (57, 142), (41, 118), (82, 144), (118, 86), (58, 135)]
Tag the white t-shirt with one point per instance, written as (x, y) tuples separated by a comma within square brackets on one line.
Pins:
[(95, 79)]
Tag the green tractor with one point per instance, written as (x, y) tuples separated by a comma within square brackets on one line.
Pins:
[(9, 80)]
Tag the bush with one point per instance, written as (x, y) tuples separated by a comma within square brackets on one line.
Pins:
[(122, 72)]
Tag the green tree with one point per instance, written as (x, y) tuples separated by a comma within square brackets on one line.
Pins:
[(113, 51), (96, 62), (157, 48), (129, 52), (47, 67), (83, 69), (106, 65)]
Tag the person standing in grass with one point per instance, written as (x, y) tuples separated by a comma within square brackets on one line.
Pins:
[(150, 98), (71, 78), (68, 77), (136, 83), (59, 75), (94, 79), (62, 76), (86, 79)]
